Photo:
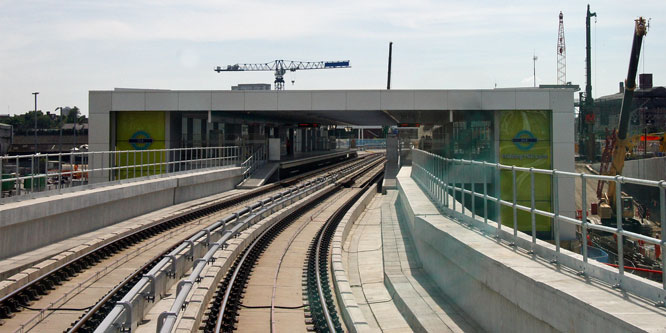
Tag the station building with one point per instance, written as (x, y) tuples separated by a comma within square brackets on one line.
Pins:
[(532, 127)]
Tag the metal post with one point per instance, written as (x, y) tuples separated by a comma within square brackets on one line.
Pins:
[(445, 173), (498, 200), (473, 193), (35, 93), (515, 212), (127, 153), (60, 170), (532, 207), (141, 163), (134, 165), (662, 213), (462, 189), (453, 196), (32, 173), (584, 219), (556, 218), (485, 193), (618, 213), (18, 174)]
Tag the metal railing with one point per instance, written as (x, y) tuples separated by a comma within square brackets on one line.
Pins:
[(371, 143), (252, 163), (29, 174), (444, 179)]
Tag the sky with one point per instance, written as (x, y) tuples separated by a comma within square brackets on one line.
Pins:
[(63, 49)]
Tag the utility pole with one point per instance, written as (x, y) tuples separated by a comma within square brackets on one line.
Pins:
[(388, 82), (534, 59), (35, 93)]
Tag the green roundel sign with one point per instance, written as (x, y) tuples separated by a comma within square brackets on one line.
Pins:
[(140, 140), (524, 140)]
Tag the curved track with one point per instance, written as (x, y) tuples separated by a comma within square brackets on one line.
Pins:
[(106, 273), (280, 281)]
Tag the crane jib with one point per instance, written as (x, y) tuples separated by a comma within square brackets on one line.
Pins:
[(336, 64)]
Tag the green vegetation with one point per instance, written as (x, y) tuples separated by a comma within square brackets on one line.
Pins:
[(25, 123)]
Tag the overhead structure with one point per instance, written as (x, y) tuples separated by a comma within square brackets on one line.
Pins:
[(280, 67), (586, 114), (561, 54)]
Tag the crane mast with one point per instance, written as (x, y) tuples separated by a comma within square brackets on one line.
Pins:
[(620, 149), (280, 67), (561, 54)]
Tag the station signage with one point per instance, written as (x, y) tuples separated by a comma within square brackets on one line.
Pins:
[(525, 141)]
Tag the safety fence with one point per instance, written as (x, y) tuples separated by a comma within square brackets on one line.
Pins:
[(252, 163), (29, 174), (449, 181)]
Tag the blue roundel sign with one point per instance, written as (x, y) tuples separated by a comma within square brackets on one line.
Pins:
[(524, 140), (141, 140)]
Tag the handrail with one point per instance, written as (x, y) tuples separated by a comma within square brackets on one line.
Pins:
[(30, 174), (444, 178)]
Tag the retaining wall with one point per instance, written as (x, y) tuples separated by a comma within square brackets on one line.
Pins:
[(37, 222), (508, 290)]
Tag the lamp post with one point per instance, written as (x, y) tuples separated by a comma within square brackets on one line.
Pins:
[(60, 134), (534, 59), (36, 93)]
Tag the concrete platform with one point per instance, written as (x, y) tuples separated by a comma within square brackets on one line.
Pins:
[(379, 278), (260, 176), (415, 294), (504, 288)]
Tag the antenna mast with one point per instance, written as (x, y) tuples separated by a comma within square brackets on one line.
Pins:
[(561, 54)]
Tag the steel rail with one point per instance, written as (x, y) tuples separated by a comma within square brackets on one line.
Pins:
[(167, 319), (226, 202), (355, 170), (151, 231)]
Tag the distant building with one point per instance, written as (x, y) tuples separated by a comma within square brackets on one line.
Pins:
[(252, 86), (648, 109), (6, 135)]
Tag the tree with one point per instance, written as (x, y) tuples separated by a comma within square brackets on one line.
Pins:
[(73, 115)]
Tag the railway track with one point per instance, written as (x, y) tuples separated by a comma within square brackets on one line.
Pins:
[(109, 272), (281, 280)]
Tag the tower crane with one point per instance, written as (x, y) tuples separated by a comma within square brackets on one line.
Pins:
[(280, 67)]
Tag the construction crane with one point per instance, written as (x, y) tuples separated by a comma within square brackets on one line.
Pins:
[(586, 114), (618, 147), (280, 67), (561, 54)]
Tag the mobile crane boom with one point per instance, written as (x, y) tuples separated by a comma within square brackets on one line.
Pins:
[(280, 67), (620, 149)]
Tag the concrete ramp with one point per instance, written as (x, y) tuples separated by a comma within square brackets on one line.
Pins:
[(260, 176)]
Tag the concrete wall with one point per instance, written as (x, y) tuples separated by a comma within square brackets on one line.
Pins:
[(649, 168), (507, 290), (30, 224)]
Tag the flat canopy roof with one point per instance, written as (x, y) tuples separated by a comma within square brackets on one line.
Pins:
[(356, 107)]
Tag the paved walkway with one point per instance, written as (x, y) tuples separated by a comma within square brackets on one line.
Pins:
[(386, 278), (362, 254)]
